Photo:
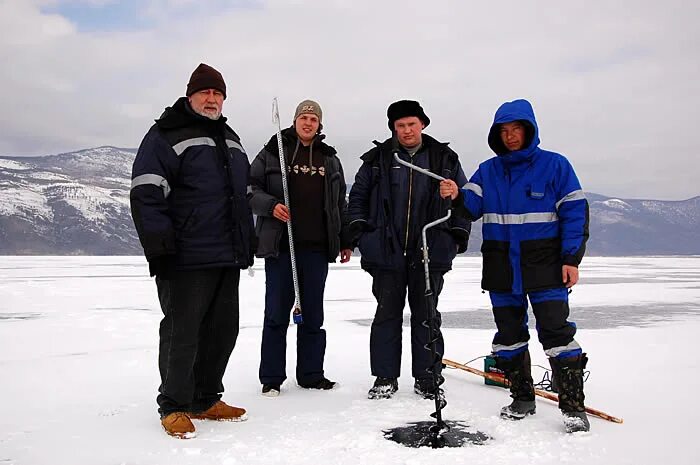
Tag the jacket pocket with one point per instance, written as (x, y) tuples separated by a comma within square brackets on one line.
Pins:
[(540, 264), (497, 274), (370, 247)]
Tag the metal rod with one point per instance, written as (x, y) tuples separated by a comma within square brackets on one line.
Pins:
[(417, 168), (539, 392), (439, 399), (296, 312), (424, 238)]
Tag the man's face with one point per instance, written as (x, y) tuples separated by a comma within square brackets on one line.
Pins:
[(306, 126), (513, 135), (409, 130), (207, 102)]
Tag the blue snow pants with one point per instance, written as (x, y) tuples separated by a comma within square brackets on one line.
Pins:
[(551, 310)]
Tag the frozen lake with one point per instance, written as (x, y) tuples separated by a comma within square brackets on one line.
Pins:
[(78, 347)]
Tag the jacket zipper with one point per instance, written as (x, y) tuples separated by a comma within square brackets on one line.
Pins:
[(408, 212)]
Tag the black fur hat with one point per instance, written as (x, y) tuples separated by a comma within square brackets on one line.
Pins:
[(404, 108)]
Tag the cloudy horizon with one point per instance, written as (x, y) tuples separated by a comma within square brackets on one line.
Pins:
[(614, 87)]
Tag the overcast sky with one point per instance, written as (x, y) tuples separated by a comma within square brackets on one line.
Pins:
[(615, 85)]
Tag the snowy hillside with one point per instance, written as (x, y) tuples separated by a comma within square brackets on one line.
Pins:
[(78, 203), (73, 203), (639, 227)]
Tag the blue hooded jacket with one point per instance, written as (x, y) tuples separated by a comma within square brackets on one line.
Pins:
[(535, 214)]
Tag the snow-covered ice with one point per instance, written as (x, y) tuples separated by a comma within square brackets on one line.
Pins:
[(78, 348)]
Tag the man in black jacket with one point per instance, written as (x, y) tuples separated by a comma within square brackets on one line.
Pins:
[(388, 207), (189, 205), (318, 215)]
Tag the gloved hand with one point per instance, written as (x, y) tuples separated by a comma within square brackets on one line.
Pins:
[(461, 237), (358, 228), (162, 266), (254, 242)]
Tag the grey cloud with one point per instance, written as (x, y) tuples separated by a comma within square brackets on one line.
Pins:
[(613, 87)]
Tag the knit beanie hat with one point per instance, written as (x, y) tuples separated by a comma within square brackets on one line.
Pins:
[(309, 106), (404, 108), (205, 77)]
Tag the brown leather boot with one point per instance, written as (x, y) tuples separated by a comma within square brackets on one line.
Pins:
[(178, 424), (221, 411)]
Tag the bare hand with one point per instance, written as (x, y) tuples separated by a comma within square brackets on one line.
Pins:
[(281, 212), (448, 188), (345, 255), (569, 275)]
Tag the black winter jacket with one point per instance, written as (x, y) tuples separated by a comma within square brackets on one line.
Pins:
[(266, 186), (188, 192), (389, 205)]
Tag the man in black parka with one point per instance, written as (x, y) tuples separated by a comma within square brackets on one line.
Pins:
[(188, 202), (388, 206)]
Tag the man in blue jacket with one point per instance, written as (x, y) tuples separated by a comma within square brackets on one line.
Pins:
[(188, 201), (388, 206), (535, 228)]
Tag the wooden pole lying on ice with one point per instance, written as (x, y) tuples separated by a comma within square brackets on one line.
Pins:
[(539, 392)]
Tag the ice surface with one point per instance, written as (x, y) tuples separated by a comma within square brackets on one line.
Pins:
[(78, 357)]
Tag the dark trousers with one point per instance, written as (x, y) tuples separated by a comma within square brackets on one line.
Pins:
[(197, 335), (390, 288), (554, 331), (312, 270)]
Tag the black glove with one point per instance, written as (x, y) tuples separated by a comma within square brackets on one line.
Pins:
[(461, 237), (253, 249), (162, 266), (359, 227), (356, 229)]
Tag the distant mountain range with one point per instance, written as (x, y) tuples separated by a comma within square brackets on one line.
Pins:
[(69, 204), (77, 203)]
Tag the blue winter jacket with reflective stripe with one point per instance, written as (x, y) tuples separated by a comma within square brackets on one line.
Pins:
[(189, 192), (535, 214)]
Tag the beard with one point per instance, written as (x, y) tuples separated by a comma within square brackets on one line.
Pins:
[(209, 114)]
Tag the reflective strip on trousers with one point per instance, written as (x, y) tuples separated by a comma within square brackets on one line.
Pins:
[(554, 351), (495, 348)]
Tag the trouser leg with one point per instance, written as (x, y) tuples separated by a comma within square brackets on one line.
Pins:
[(185, 300), (279, 299), (554, 331), (389, 289), (510, 315), (311, 337), (217, 338), (421, 358)]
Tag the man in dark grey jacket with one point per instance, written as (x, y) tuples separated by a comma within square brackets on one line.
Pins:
[(318, 215)]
